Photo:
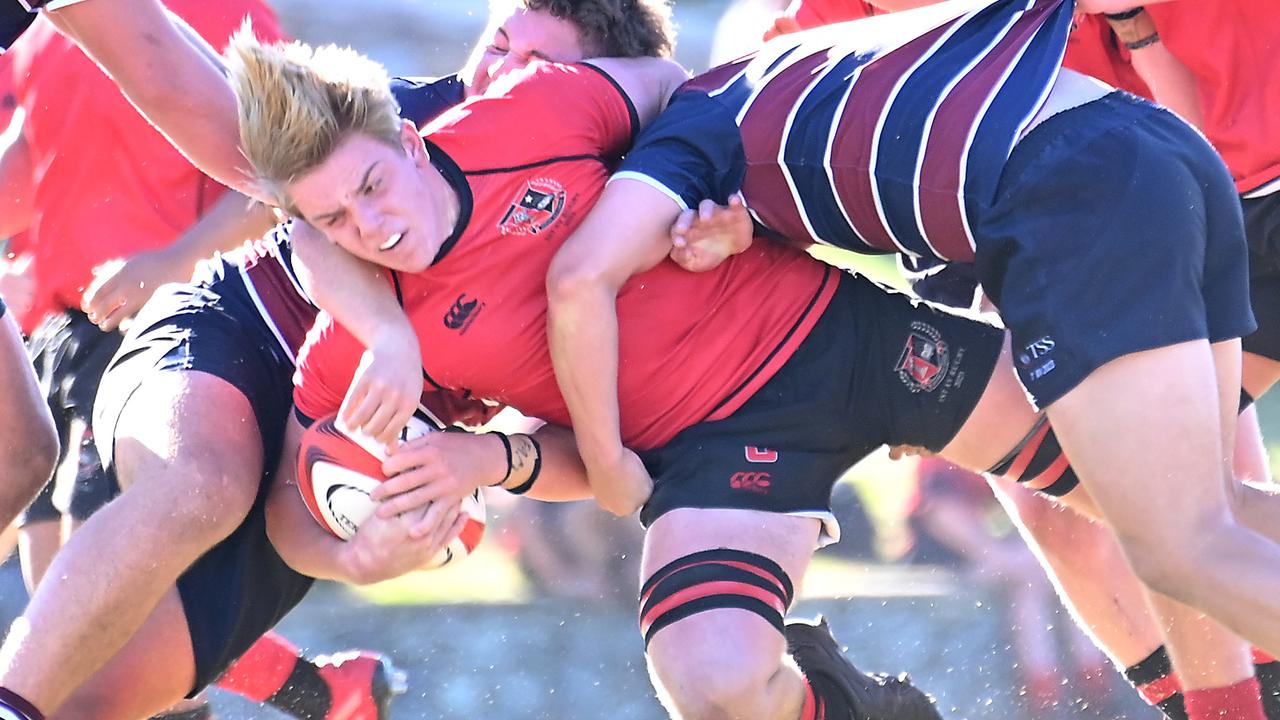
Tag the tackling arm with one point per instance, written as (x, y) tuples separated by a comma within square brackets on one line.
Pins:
[(170, 74), (624, 234)]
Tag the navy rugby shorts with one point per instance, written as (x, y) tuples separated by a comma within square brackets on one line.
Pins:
[(1116, 228), (1262, 228), (879, 368), (240, 588), (70, 355)]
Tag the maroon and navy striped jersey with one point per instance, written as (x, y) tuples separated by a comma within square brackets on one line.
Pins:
[(883, 135)]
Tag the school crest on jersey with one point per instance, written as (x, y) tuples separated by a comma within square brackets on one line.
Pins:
[(924, 360), (537, 207)]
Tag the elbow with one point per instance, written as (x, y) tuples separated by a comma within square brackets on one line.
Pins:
[(571, 282)]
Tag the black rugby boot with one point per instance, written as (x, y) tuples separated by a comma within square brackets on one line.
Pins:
[(867, 696)]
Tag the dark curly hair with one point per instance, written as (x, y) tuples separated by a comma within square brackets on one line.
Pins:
[(616, 28)]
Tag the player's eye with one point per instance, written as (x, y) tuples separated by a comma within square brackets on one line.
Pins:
[(495, 50)]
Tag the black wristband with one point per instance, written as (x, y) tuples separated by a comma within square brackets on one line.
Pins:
[(524, 487), (1147, 41), (506, 445), (1126, 15)]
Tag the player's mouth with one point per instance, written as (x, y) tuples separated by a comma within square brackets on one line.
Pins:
[(392, 241)]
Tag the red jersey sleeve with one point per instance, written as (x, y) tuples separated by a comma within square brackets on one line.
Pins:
[(545, 110), (815, 13), (326, 363)]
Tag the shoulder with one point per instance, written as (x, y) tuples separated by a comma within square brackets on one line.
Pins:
[(421, 100)]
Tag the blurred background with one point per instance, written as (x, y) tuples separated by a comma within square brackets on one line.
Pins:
[(540, 623)]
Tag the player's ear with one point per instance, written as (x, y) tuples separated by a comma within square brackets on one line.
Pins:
[(412, 142)]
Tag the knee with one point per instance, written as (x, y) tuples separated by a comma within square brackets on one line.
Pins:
[(712, 623), (195, 497), (700, 683), (33, 456), (1173, 567)]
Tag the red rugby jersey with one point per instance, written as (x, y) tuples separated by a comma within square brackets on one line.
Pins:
[(106, 183), (1229, 45), (528, 166)]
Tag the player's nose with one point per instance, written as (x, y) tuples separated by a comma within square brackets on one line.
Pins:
[(369, 222)]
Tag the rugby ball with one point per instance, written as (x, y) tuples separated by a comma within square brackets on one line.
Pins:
[(337, 471)]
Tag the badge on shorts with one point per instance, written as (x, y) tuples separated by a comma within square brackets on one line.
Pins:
[(924, 361), (539, 204)]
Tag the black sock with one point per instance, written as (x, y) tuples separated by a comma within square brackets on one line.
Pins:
[(304, 695), (1269, 678)]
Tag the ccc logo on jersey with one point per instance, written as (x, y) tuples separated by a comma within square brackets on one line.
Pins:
[(537, 207), (462, 313), (752, 482)]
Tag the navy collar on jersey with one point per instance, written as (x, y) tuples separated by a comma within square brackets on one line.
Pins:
[(452, 175)]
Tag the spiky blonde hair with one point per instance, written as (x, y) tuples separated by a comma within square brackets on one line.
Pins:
[(296, 103)]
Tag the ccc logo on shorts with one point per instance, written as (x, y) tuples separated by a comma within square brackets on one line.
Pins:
[(755, 482)]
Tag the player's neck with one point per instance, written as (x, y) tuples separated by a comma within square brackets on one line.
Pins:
[(445, 202)]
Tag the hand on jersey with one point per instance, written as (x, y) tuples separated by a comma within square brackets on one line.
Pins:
[(387, 547), (621, 486), (438, 467), (702, 239), (18, 284), (121, 287), (386, 388)]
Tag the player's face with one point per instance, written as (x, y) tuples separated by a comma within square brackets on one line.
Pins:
[(520, 38), (384, 204)]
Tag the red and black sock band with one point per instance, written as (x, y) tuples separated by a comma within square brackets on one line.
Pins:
[(1038, 463), (1155, 681), (714, 580)]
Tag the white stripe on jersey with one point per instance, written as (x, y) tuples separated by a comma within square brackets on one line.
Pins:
[(879, 132), (964, 156), (641, 177), (782, 151), (1267, 189)]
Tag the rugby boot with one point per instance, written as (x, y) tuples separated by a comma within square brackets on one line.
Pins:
[(343, 686), (869, 696), (361, 685)]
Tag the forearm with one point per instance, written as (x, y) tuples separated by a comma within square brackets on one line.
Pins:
[(583, 336), (299, 539), (171, 75), (353, 291), (296, 536), (232, 220), (561, 475)]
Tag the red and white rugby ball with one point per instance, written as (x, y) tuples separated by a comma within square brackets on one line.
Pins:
[(336, 473)]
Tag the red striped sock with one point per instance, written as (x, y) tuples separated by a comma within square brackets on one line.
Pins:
[(262, 670), (1241, 701), (1262, 657)]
